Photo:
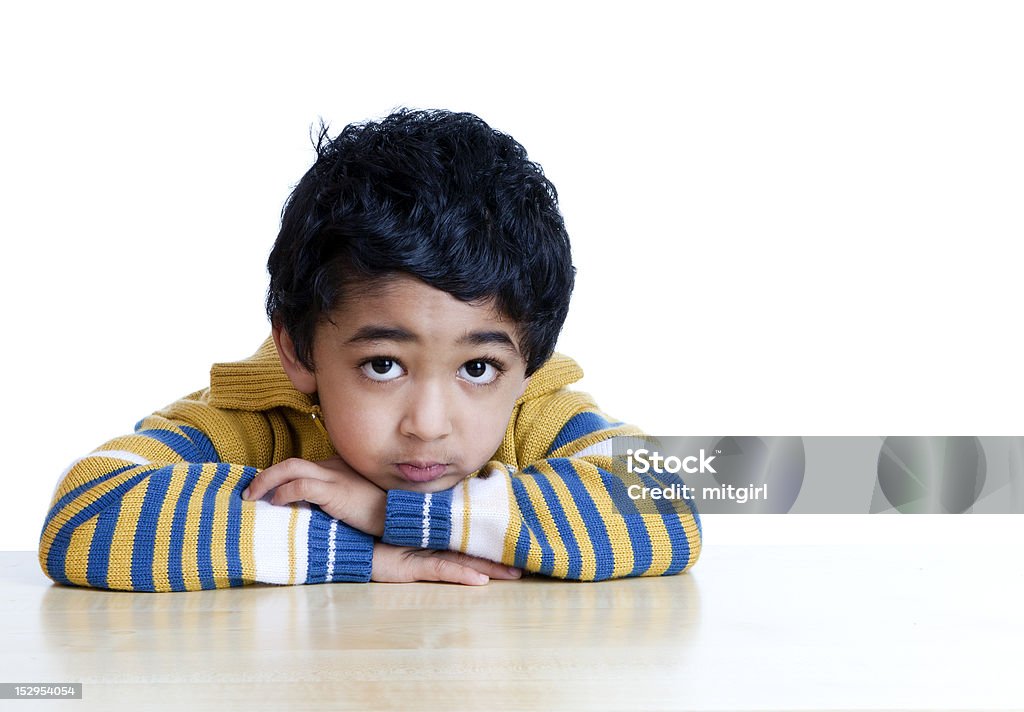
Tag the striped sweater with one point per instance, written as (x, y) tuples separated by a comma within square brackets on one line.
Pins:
[(161, 509)]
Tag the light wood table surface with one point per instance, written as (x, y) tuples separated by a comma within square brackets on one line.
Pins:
[(750, 627)]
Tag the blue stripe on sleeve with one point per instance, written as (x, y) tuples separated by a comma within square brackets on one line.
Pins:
[(175, 575), (561, 522), (145, 531), (317, 544), (579, 425), (234, 533), (204, 553), (99, 549), (596, 529), (530, 520), (202, 444), (181, 445), (522, 546)]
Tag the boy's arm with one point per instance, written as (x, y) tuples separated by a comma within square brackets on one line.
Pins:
[(158, 511), (564, 513)]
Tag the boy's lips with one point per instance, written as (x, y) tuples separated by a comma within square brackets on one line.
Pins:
[(422, 471)]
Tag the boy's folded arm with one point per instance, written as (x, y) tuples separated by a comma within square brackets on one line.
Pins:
[(566, 515), (158, 511)]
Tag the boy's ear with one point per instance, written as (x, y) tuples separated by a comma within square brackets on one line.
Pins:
[(526, 382), (303, 380)]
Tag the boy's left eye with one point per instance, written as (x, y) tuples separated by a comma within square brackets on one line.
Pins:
[(478, 372)]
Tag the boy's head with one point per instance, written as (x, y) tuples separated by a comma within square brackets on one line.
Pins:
[(418, 257)]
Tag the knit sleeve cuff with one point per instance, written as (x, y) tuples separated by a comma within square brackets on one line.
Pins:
[(418, 519), (338, 552)]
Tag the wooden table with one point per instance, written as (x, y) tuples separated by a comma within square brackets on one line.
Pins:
[(871, 626)]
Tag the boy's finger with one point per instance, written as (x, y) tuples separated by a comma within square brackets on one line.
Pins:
[(284, 471), (487, 567), (304, 490), (439, 569)]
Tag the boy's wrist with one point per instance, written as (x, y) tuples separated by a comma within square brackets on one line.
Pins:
[(352, 557), (418, 519), (367, 507)]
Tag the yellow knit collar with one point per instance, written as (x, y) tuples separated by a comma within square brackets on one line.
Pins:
[(260, 383)]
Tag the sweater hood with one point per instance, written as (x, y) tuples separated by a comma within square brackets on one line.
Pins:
[(259, 382)]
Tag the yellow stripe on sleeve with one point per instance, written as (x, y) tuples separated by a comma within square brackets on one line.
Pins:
[(246, 541), (293, 521), (464, 544), (190, 538), (219, 536), (119, 566), (78, 552), (661, 545)]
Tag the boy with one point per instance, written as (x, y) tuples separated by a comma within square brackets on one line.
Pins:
[(407, 421)]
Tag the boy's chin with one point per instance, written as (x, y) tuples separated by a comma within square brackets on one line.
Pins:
[(439, 485), (429, 487)]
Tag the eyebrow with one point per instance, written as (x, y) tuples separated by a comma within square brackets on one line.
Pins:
[(484, 338), (381, 333), (374, 332)]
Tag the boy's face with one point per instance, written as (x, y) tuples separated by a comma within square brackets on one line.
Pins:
[(416, 387)]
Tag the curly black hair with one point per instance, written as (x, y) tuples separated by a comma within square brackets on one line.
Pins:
[(434, 194)]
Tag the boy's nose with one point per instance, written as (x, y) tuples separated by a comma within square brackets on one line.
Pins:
[(426, 415)]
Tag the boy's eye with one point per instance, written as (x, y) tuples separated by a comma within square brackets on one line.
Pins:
[(479, 372), (382, 369)]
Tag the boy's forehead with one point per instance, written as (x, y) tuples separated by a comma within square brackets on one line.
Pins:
[(405, 309)]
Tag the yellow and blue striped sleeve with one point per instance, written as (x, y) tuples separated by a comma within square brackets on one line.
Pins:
[(566, 514), (157, 510)]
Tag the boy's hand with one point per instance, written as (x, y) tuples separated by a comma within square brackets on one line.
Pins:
[(339, 490), (404, 564)]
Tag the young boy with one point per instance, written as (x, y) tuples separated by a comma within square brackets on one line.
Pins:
[(407, 421)]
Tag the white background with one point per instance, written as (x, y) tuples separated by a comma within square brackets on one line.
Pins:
[(797, 218)]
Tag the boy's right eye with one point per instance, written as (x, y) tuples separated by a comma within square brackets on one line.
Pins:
[(382, 369)]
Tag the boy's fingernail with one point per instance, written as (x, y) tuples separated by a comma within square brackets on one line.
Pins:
[(480, 578), (245, 493), (514, 571)]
